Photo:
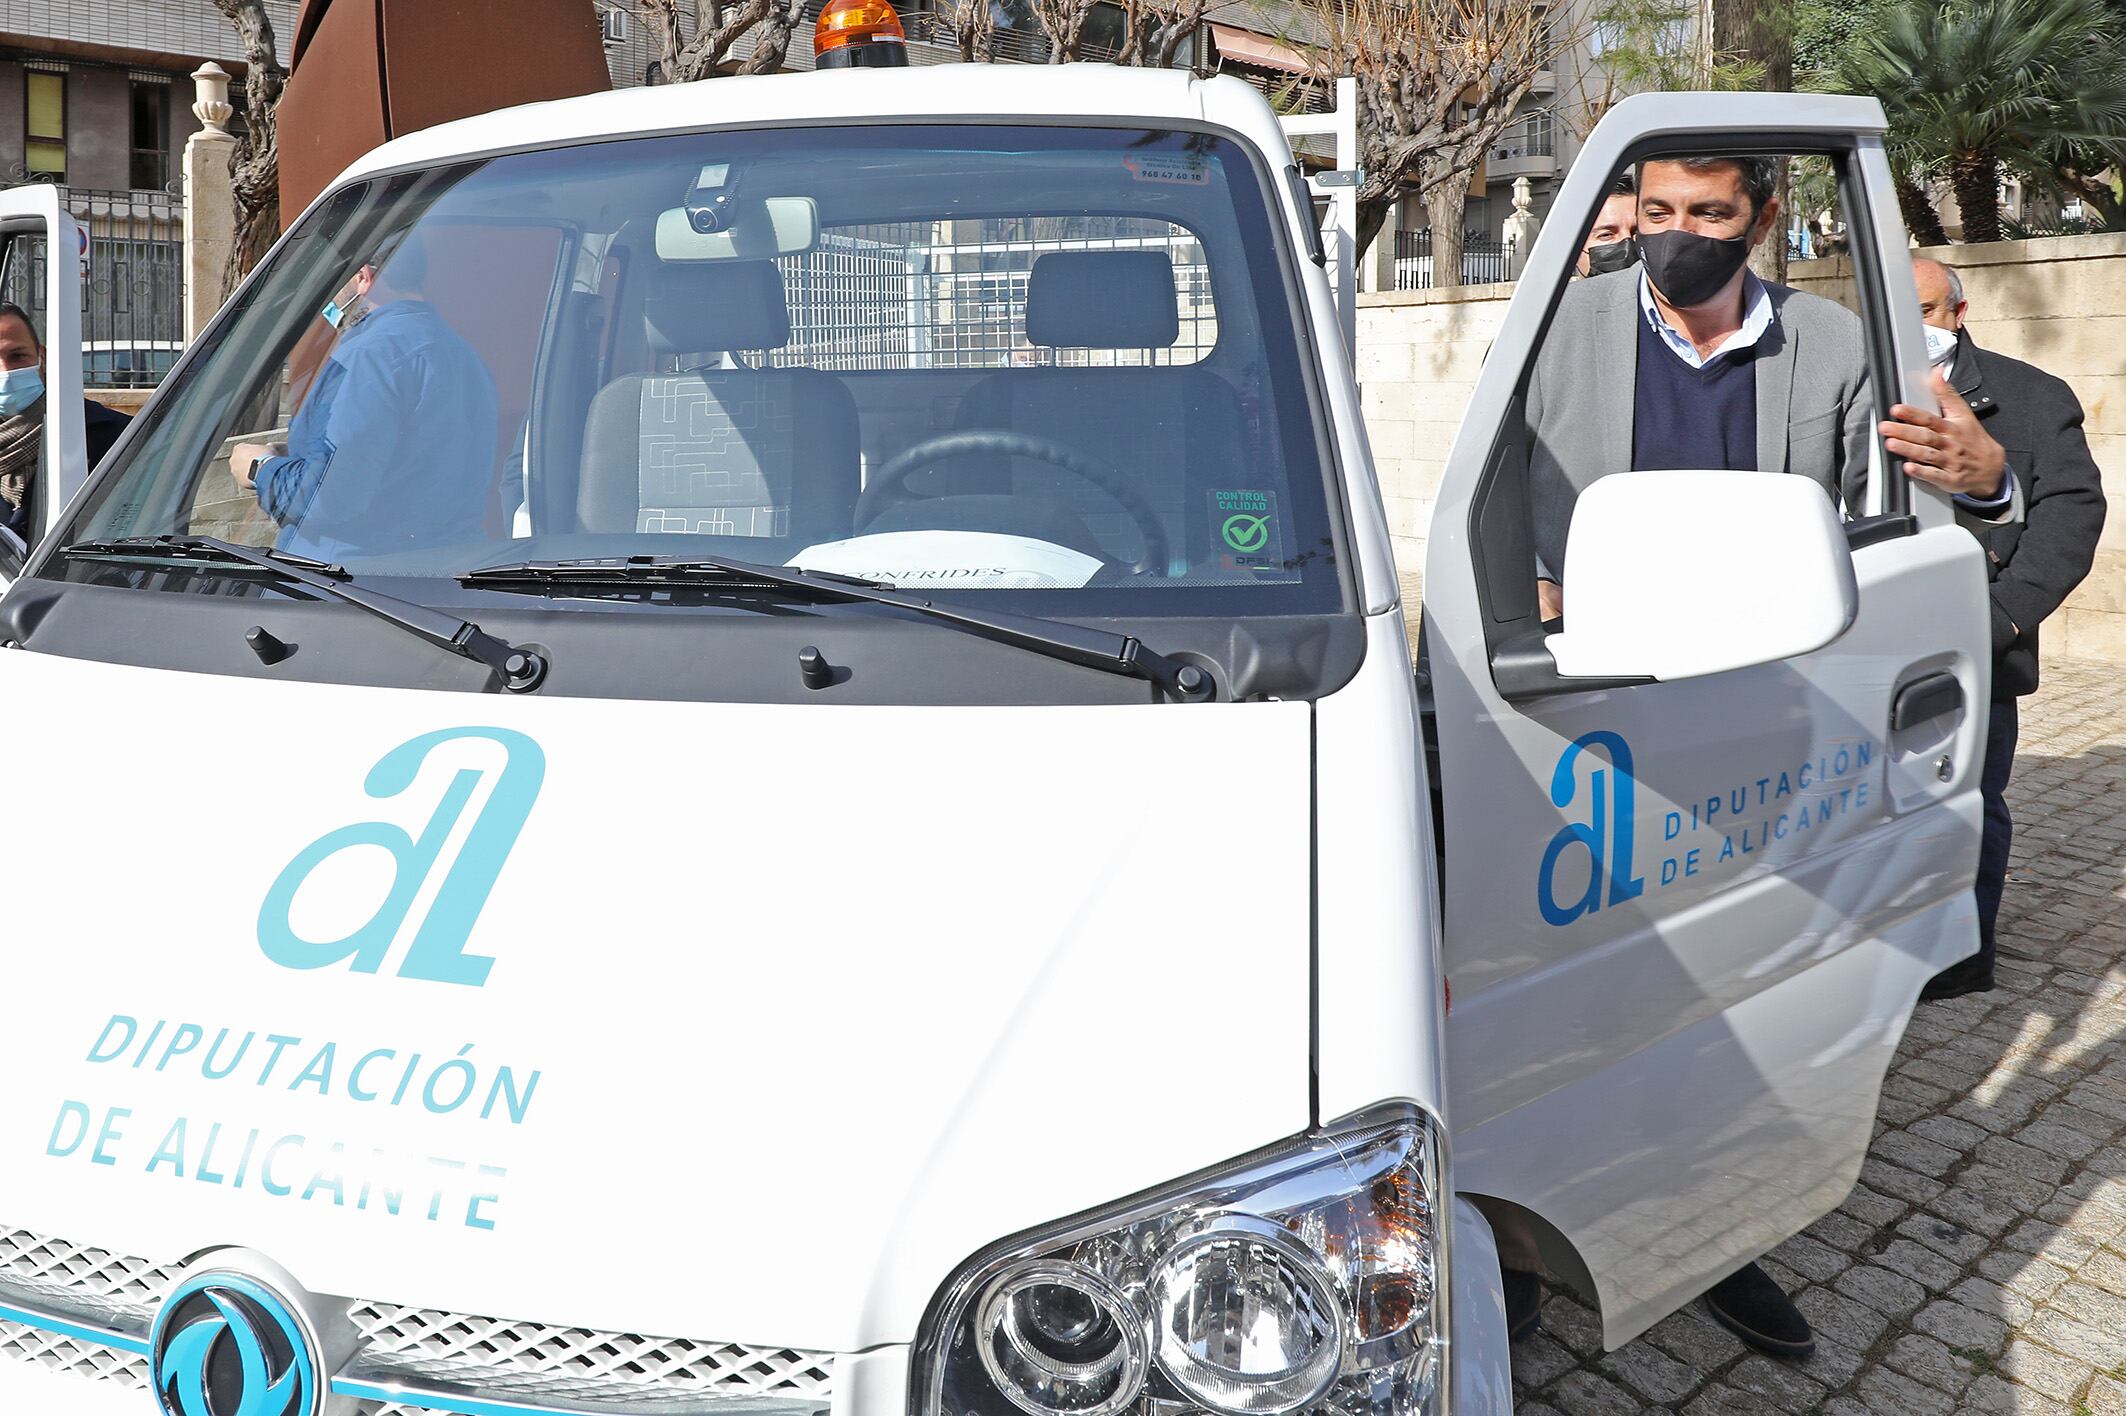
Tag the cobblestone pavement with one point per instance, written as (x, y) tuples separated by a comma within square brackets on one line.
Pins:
[(1981, 1263)]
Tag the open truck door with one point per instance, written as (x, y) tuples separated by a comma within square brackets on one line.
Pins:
[(1705, 844), (41, 250)]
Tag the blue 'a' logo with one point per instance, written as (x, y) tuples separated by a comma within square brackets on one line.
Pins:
[(225, 1345), (438, 948), (1605, 835)]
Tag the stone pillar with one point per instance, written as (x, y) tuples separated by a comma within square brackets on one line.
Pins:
[(1519, 228), (1376, 271), (210, 198)]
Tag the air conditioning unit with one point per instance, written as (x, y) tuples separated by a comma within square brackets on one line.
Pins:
[(613, 22)]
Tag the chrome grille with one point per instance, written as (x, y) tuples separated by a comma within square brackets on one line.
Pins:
[(91, 1360), (416, 1351), (115, 1279), (458, 1348)]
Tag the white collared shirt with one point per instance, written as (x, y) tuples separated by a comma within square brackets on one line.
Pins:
[(1756, 319)]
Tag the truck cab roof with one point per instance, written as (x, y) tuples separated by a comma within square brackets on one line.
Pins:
[(949, 91)]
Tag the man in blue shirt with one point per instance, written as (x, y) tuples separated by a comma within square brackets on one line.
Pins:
[(394, 446)]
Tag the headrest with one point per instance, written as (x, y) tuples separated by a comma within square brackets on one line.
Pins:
[(714, 306), (1102, 300)]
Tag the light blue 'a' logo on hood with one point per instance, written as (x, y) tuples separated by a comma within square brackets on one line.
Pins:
[(438, 948)]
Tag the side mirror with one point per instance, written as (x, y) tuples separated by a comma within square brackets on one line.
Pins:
[(1672, 575), (758, 230)]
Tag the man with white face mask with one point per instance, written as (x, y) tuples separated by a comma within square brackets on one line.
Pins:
[(2030, 423), (22, 411)]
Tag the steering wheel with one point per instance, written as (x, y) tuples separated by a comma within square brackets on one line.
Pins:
[(888, 485)]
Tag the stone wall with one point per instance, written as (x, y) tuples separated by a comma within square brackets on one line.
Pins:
[(2059, 303), (1418, 353)]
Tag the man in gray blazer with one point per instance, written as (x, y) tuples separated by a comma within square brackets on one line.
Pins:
[(1689, 360)]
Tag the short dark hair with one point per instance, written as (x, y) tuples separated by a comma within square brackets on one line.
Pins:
[(9, 307), (1625, 185), (1760, 175), (406, 257)]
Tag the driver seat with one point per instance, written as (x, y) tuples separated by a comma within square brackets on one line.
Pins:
[(721, 452), (1175, 432)]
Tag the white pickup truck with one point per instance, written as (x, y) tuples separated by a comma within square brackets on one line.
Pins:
[(799, 790)]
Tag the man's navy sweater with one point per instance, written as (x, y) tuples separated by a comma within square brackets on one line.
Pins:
[(1693, 418)]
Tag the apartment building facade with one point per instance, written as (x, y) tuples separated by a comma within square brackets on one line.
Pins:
[(97, 94)]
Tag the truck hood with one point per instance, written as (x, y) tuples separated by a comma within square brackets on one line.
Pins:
[(723, 1021)]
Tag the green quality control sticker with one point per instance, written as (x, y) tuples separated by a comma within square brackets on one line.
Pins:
[(1250, 536), (1244, 531)]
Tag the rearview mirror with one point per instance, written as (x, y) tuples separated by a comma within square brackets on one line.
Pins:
[(1673, 575), (758, 230)]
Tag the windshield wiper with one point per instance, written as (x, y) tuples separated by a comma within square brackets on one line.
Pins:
[(1100, 649), (518, 670)]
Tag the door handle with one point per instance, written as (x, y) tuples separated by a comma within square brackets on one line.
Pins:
[(1924, 698)]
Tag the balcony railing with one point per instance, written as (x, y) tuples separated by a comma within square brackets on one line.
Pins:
[(1525, 139)]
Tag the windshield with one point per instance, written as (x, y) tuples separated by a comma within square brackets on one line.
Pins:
[(1050, 367)]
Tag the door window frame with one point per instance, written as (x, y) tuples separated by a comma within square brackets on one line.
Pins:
[(1500, 533)]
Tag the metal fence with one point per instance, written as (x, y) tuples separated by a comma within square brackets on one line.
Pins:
[(1486, 260), (133, 297), (952, 295)]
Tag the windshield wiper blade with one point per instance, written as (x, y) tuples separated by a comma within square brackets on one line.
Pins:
[(1101, 649), (518, 670)]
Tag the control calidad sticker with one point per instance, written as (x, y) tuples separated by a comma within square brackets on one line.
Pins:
[(1249, 532)]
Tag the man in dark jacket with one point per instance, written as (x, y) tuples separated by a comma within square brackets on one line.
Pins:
[(2033, 565), (22, 408)]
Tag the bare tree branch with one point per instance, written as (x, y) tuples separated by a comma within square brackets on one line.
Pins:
[(1438, 81), (717, 27), (974, 27), (255, 165), (1153, 31), (1063, 22)]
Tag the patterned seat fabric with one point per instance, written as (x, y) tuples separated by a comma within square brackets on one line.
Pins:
[(766, 453)]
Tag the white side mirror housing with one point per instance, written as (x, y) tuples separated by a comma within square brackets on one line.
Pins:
[(1672, 575)]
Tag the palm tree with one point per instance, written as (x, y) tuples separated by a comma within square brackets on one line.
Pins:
[(1973, 86)]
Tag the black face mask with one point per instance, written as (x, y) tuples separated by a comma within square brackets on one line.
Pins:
[(1689, 269), (1601, 260)]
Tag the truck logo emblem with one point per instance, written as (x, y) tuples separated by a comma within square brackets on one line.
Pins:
[(225, 1344), (1605, 835), (438, 950)]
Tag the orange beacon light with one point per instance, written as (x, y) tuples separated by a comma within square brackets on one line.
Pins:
[(859, 34)]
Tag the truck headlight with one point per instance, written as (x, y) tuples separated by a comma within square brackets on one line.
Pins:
[(1306, 1278)]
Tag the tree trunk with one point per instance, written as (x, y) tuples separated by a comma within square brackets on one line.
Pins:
[(255, 166), (2095, 192), (1760, 33), (1921, 219), (1372, 216), (772, 42), (1975, 177), (1769, 259), (1444, 205)]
